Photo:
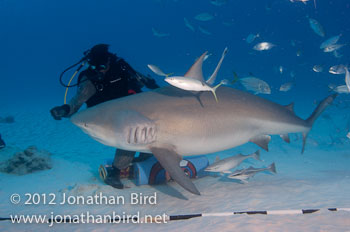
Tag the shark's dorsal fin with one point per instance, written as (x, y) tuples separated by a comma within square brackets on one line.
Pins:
[(195, 71), (262, 141), (290, 107)]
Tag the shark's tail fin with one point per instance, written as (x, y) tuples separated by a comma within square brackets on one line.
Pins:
[(319, 109)]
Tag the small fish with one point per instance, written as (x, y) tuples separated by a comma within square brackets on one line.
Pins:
[(280, 69), (317, 27), (337, 54), (347, 78), (244, 174), (218, 2), (225, 165), (330, 41), (204, 31), (159, 34), (204, 17), (157, 70), (251, 37), (286, 87), (256, 85), (263, 46), (337, 69), (292, 74), (303, 1), (299, 53), (317, 68), (191, 84), (348, 135), (188, 25), (340, 89), (333, 47)]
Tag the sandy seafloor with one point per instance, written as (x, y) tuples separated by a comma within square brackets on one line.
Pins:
[(320, 178)]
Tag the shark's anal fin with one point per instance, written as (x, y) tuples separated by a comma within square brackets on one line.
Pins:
[(170, 161), (262, 141)]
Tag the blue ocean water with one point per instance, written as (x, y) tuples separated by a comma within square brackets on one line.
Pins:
[(39, 39)]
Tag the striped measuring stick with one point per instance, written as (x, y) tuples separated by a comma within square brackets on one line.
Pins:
[(265, 212)]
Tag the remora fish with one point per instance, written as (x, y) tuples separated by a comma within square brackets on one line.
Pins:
[(225, 165), (192, 82), (316, 27), (170, 123), (245, 174)]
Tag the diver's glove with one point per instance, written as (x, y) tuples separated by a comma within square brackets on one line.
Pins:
[(60, 111)]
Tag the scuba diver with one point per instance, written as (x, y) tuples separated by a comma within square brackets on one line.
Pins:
[(2, 143), (107, 77)]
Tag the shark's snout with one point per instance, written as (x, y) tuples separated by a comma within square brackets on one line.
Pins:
[(76, 120)]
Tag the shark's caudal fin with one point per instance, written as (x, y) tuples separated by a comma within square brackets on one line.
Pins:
[(319, 109)]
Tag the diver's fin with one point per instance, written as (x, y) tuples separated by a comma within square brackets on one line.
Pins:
[(319, 109), (290, 107), (286, 138), (262, 141), (195, 71), (170, 161)]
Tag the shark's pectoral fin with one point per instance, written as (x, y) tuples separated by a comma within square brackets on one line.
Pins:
[(170, 161), (137, 129), (262, 141)]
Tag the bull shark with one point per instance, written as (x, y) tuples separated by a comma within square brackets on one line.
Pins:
[(171, 123)]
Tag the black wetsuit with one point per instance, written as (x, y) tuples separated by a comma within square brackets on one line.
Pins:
[(95, 87)]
